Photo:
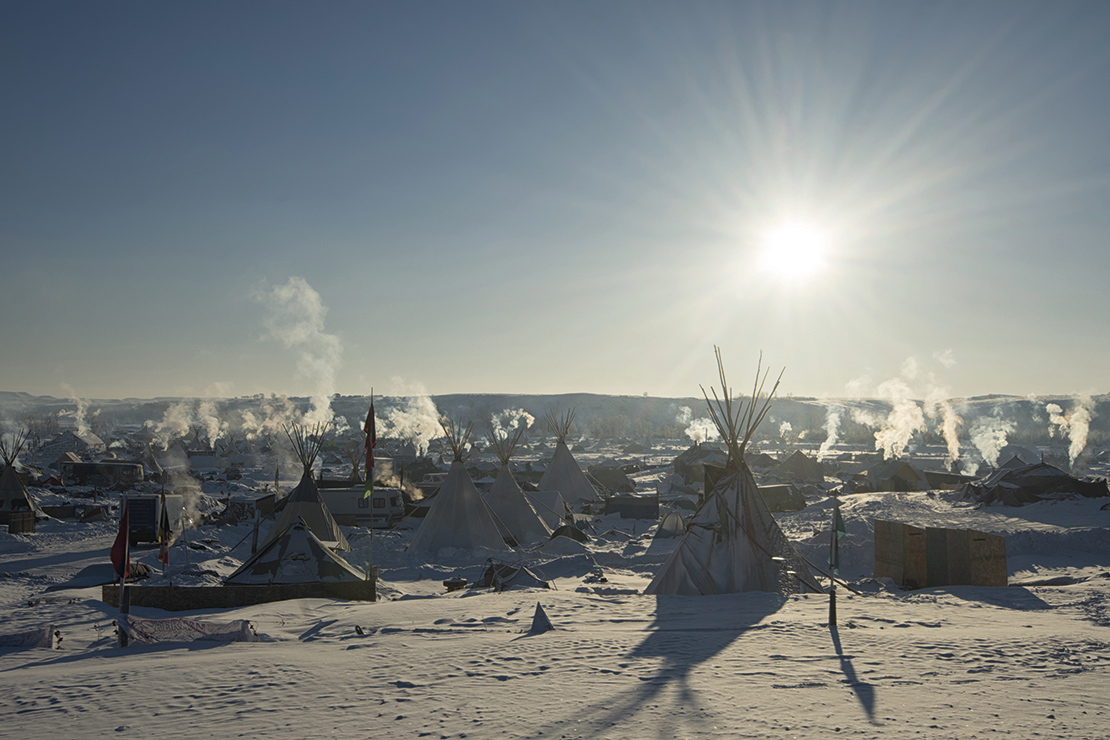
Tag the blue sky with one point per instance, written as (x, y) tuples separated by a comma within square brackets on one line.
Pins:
[(561, 197)]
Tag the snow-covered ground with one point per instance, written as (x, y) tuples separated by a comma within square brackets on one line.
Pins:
[(1030, 660)]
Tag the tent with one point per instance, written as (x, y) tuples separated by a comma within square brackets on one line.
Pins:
[(1030, 483), (798, 468), (733, 543), (897, 475), (549, 506), (14, 495), (507, 501), (295, 555), (564, 474), (459, 517), (304, 501)]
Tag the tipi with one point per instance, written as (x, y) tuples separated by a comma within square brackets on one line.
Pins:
[(459, 517), (507, 500), (733, 543), (304, 501), (564, 474), (13, 493), (296, 555)]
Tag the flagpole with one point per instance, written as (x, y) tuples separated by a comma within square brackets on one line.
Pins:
[(370, 427), (834, 559)]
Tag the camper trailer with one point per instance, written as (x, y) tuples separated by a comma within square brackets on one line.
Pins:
[(351, 507)]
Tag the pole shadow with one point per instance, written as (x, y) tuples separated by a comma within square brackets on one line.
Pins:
[(865, 692)]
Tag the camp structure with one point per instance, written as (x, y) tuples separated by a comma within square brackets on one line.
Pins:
[(733, 543), (1027, 484), (798, 468), (295, 555), (564, 474), (549, 506), (14, 495), (304, 501), (919, 557), (458, 517), (505, 498)]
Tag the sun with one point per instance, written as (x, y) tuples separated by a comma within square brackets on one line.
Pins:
[(794, 250)]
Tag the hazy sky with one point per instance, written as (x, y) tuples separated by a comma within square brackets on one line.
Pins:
[(544, 198)]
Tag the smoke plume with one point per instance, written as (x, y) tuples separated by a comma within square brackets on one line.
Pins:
[(296, 319), (904, 419), (1075, 424), (415, 420), (698, 430), (832, 430), (509, 420), (989, 434)]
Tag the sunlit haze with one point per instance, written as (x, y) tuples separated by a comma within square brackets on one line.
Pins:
[(224, 199)]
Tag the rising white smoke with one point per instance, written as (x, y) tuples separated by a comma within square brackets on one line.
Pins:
[(698, 430), (832, 431), (273, 415), (296, 319), (1075, 424), (905, 418), (784, 429), (415, 419), (509, 420), (81, 413), (939, 407), (989, 434)]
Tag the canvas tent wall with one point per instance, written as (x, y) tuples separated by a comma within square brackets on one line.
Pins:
[(14, 495), (304, 503), (549, 506), (295, 555), (564, 474), (458, 517), (512, 509)]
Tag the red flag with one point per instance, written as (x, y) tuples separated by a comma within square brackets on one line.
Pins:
[(164, 534), (121, 559), (370, 427)]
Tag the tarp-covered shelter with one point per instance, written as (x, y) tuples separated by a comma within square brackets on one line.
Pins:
[(733, 543), (1030, 483), (798, 468)]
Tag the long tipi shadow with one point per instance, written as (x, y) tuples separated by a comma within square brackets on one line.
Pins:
[(686, 632)]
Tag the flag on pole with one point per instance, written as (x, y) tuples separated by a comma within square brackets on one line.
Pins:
[(164, 535), (121, 559)]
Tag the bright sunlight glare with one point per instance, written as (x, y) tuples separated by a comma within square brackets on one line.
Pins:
[(794, 250)]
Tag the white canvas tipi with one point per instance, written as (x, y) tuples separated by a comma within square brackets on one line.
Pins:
[(295, 555), (14, 496), (458, 517), (564, 474), (304, 501), (507, 501), (733, 543)]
